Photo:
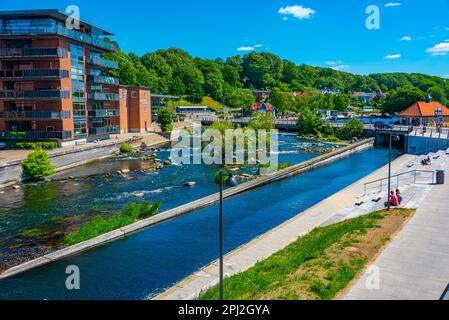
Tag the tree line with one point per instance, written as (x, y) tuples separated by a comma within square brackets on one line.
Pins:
[(174, 71)]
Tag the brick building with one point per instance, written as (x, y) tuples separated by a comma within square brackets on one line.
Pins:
[(54, 82)]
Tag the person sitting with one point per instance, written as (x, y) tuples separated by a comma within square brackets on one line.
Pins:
[(394, 202), (399, 196)]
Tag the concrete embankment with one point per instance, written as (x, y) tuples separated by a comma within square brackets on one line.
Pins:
[(193, 206)]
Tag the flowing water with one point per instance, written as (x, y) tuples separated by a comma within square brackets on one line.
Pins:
[(147, 262)]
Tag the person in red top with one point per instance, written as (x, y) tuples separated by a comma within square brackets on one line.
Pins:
[(394, 201)]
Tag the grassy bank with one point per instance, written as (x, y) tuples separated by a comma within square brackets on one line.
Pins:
[(319, 265), (101, 225)]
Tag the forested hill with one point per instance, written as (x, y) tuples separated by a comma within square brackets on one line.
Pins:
[(174, 71)]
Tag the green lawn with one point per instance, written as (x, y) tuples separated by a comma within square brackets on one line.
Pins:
[(319, 265)]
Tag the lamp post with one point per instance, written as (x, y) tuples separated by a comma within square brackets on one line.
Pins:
[(396, 138), (230, 182)]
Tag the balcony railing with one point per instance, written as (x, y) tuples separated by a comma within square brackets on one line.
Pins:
[(34, 94), (103, 80), (100, 62), (104, 113), (100, 96), (62, 31), (34, 73), (105, 130), (11, 53), (36, 135), (36, 115)]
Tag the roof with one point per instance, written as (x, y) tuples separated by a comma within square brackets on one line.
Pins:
[(424, 109), (53, 13), (258, 105)]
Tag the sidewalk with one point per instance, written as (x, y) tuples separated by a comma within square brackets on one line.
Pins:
[(415, 265)]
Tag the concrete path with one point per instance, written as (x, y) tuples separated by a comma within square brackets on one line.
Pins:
[(415, 265), (266, 245)]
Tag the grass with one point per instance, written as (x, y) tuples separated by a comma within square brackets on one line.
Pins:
[(319, 265), (207, 101), (101, 225)]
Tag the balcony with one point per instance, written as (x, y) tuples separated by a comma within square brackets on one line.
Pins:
[(34, 94), (36, 135), (103, 80), (61, 31), (33, 53), (100, 96), (105, 113), (102, 63), (105, 130), (35, 115), (33, 74)]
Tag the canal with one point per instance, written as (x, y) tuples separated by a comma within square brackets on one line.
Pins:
[(152, 260)]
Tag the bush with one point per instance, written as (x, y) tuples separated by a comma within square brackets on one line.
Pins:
[(35, 145), (37, 165), (101, 225), (126, 148), (165, 119), (353, 129)]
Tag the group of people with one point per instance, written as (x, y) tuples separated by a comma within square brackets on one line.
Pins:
[(426, 161), (395, 199)]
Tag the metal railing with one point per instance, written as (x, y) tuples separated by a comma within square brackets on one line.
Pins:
[(35, 73), (104, 113), (6, 53), (59, 30), (34, 94), (36, 115), (36, 135), (103, 80), (397, 178), (100, 62), (100, 96)]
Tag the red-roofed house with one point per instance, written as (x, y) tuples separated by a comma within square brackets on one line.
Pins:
[(426, 113), (264, 107)]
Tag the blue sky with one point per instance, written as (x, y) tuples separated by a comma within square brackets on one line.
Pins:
[(413, 34)]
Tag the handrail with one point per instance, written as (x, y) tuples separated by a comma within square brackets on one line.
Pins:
[(400, 175)]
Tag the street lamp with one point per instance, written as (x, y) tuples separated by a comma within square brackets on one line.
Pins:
[(230, 182), (395, 138)]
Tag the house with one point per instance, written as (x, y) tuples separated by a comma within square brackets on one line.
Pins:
[(367, 108), (426, 113), (365, 97), (264, 107), (261, 95)]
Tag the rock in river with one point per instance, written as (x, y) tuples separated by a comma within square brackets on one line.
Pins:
[(190, 184)]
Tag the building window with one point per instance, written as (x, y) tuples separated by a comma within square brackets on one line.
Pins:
[(133, 94)]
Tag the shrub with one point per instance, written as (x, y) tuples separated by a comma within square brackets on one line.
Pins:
[(353, 129), (37, 165), (126, 148), (165, 119), (35, 145), (101, 225)]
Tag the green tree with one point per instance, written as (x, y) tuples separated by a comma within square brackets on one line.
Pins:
[(37, 165), (165, 119), (310, 122), (341, 102), (353, 129), (401, 98)]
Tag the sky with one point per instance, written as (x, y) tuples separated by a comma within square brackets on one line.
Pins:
[(412, 36)]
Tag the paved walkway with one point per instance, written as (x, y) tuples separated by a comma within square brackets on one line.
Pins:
[(415, 265)]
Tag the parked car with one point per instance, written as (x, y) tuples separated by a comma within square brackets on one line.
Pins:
[(2, 145), (382, 125)]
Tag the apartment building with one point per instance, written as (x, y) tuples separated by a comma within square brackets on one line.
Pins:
[(54, 82)]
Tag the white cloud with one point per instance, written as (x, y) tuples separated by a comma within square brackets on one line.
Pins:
[(393, 56), (333, 63), (393, 4), (285, 18), (341, 67), (440, 49), (298, 12), (250, 48), (406, 38)]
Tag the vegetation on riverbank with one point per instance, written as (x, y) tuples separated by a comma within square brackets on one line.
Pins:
[(101, 225), (37, 165), (319, 265)]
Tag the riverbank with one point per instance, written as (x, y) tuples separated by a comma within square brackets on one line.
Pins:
[(336, 208), (182, 210)]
